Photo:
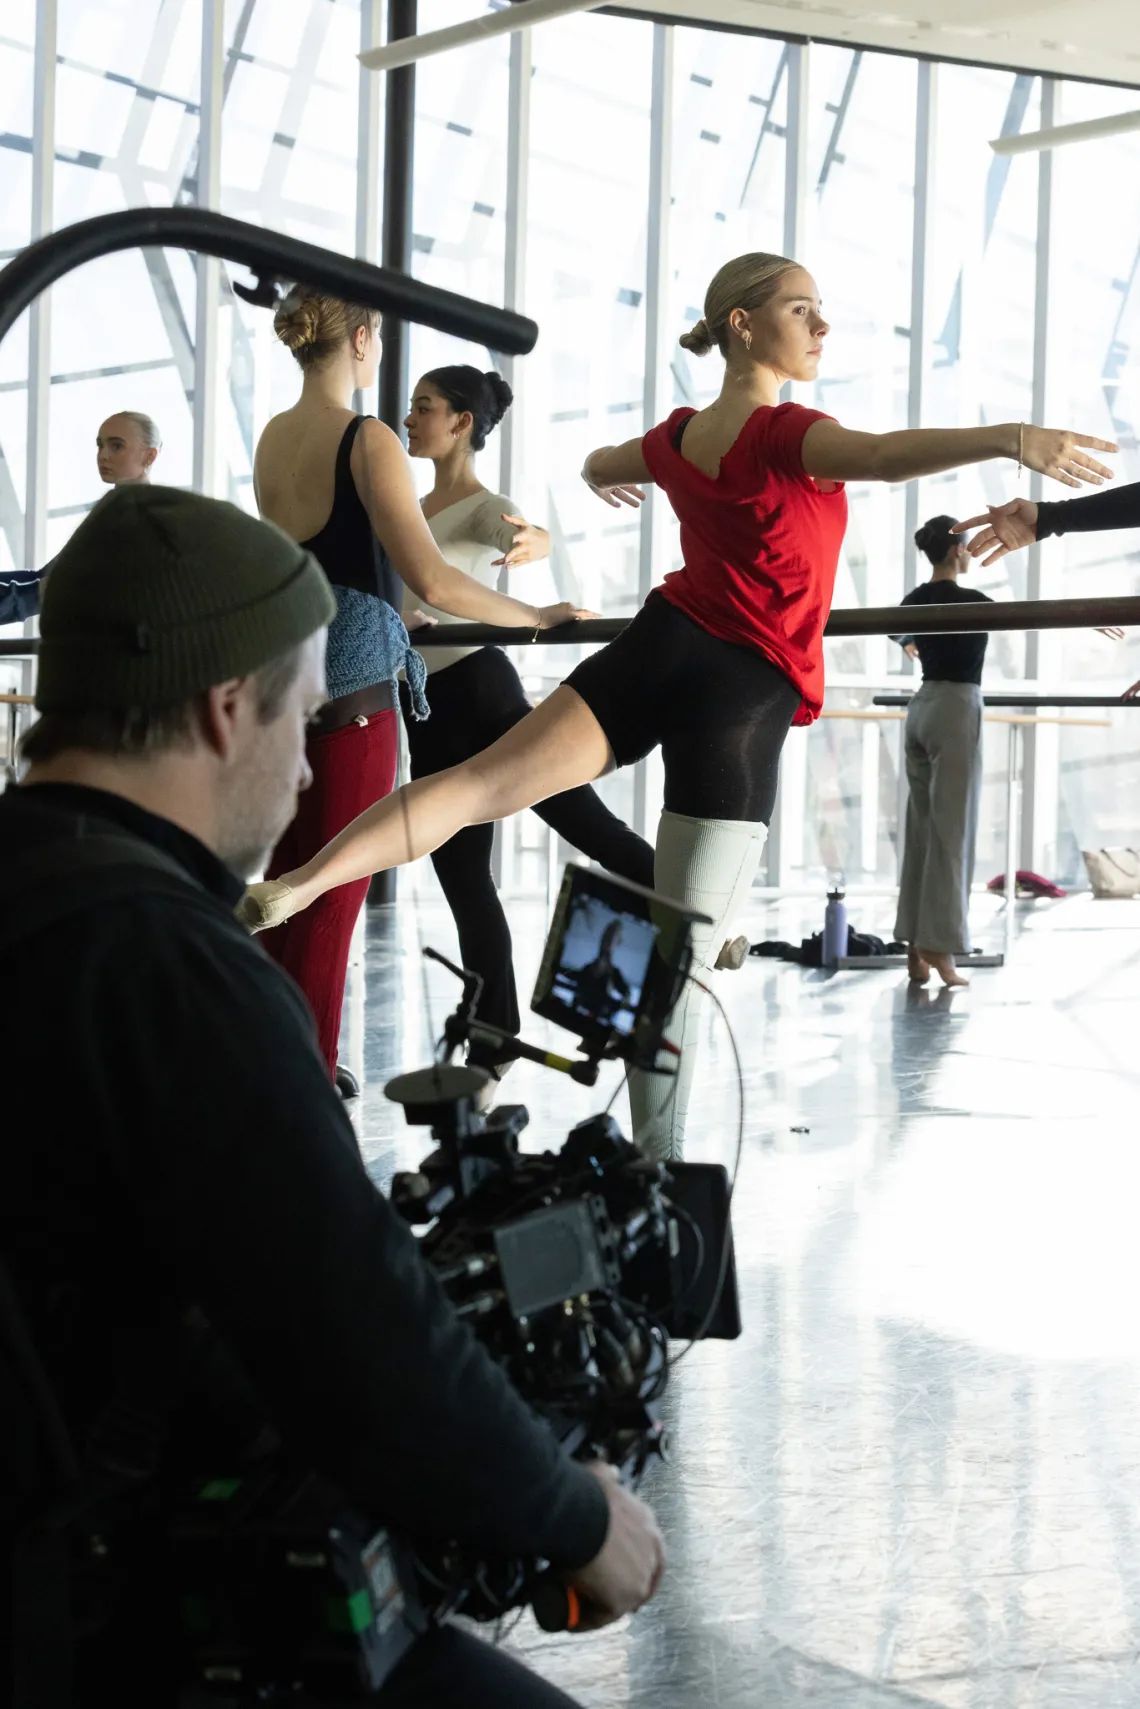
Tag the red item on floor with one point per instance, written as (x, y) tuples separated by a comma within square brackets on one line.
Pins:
[(1030, 883), (352, 767)]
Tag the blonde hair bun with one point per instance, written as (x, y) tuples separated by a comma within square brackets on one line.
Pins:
[(297, 320), (698, 341), (313, 326)]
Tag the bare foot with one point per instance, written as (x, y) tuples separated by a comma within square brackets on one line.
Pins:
[(917, 968), (944, 966)]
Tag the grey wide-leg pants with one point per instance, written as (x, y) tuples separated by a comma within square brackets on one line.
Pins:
[(943, 740)]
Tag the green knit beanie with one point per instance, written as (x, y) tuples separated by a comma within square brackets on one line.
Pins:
[(159, 594)]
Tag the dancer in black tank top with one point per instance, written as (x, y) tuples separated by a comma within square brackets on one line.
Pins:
[(370, 536)]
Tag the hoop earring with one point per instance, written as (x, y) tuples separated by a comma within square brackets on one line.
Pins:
[(359, 354)]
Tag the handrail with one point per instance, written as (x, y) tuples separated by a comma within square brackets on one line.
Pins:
[(272, 257), (868, 620), (958, 619), (1008, 700)]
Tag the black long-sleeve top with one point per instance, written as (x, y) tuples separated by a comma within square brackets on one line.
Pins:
[(1114, 507), (170, 1138)]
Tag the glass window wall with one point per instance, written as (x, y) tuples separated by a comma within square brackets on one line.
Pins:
[(1000, 230)]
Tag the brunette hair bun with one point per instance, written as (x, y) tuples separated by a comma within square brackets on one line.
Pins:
[(935, 539), (499, 396), (486, 398)]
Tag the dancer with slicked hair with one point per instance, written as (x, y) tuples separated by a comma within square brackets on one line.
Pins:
[(724, 657)]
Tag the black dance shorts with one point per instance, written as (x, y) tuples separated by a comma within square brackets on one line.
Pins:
[(719, 710)]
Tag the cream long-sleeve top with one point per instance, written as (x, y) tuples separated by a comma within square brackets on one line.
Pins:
[(471, 534)]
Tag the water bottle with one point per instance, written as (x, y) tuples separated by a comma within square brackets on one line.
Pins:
[(834, 928)]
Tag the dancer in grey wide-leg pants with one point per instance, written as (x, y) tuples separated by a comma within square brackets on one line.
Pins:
[(943, 767), (944, 771)]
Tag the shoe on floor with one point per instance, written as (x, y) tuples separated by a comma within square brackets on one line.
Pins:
[(733, 953), (346, 1082)]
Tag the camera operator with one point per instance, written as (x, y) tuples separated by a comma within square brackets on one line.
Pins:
[(190, 1177)]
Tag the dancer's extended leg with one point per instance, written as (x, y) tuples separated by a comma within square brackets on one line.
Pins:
[(708, 864), (559, 746)]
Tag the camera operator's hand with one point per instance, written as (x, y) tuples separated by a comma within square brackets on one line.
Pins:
[(626, 1572)]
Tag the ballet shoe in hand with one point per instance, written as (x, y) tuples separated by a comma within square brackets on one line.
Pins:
[(268, 904)]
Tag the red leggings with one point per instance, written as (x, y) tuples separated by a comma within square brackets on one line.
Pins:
[(352, 767)]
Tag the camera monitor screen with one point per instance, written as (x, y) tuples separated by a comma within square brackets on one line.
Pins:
[(614, 963)]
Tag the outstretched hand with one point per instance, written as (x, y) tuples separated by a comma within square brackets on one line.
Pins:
[(616, 496), (1060, 455), (530, 544), (1131, 693), (1008, 527)]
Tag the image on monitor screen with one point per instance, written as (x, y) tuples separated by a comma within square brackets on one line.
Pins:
[(603, 962)]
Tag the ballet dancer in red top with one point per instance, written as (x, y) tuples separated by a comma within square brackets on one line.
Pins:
[(723, 657)]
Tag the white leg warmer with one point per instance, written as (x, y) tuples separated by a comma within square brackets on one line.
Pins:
[(709, 864)]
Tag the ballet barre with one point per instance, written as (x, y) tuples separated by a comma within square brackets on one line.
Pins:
[(997, 718), (1023, 614), (959, 619)]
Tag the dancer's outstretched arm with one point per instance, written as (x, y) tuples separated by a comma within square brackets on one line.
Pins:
[(557, 747), (835, 453)]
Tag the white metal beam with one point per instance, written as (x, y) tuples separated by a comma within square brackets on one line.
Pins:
[(369, 130), (39, 315), (412, 48), (207, 313), (1059, 136), (511, 438), (656, 383), (784, 848), (1041, 743)]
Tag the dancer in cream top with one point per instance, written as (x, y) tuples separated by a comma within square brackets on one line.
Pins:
[(478, 534), (475, 693)]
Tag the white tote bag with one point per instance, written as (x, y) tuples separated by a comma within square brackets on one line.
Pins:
[(1113, 872)]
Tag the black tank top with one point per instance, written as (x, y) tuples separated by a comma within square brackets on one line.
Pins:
[(346, 547)]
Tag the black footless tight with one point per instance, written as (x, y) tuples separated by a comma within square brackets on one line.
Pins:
[(718, 710)]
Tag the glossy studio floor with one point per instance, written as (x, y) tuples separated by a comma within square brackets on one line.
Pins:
[(916, 1478)]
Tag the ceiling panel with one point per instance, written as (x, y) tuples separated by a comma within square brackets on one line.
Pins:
[(1095, 38)]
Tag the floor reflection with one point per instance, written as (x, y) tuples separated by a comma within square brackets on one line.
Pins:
[(916, 1479)]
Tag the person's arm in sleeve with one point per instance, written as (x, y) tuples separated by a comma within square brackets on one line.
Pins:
[(1116, 507), (20, 595), (497, 522), (246, 1176)]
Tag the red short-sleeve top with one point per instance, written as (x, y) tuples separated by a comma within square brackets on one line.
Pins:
[(760, 541)]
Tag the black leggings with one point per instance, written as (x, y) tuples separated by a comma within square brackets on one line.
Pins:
[(719, 711), (473, 703)]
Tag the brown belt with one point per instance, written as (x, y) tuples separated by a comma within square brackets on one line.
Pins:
[(354, 708)]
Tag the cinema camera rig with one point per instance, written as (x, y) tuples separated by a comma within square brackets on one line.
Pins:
[(574, 1268)]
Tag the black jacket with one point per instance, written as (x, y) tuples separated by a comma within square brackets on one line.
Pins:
[(171, 1139)]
